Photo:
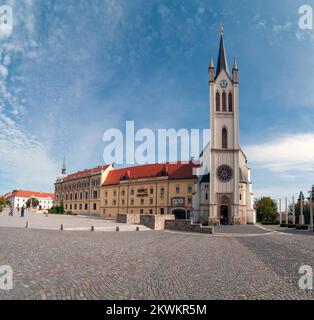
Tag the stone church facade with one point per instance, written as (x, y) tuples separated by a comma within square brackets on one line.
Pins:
[(223, 188)]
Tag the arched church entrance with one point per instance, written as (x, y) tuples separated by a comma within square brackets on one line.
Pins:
[(224, 210), (224, 214), (179, 213)]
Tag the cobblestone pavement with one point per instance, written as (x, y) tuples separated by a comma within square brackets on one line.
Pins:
[(153, 265), (53, 222)]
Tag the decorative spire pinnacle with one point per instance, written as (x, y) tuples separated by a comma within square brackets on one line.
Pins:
[(235, 64), (222, 29), (211, 65)]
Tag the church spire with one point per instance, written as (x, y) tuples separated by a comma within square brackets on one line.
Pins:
[(63, 170), (222, 63)]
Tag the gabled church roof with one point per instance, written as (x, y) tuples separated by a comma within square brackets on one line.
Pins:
[(222, 63)]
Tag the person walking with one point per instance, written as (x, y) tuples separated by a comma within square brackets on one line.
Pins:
[(22, 212), (11, 211)]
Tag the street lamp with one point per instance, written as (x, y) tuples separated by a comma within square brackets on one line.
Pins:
[(311, 208)]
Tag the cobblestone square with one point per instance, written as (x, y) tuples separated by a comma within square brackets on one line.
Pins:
[(51, 264)]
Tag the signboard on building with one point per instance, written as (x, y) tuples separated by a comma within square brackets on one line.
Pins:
[(178, 202)]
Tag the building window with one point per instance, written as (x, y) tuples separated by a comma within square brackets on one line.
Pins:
[(86, 206), (151, 191), (206, 196), (217, 102), (190, 189), (123, 202), (106, 202), (75, 207), (114, 202), (95, 206), (106, 194), (230, 102), (142, 202), (86, 195), (189, 200), (132, 202), (177, 189), (162, 211), (66, 207), (81, 196), (114, 193), (224, 138), (95, 194), (132, 192), (81, 206), (70, 206), (76, 196), (141, 211), (123, 193), (162, 191), (224, 102), (151, 201), (150, 211)]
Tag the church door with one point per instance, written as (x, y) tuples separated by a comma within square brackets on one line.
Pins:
[(224, 215)]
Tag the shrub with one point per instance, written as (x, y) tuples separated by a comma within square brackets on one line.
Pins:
[(302, 227), (270, 223), (291, 226), (283, 225), (56, 210), (69, 213)]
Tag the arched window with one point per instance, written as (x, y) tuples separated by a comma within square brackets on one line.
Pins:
[(230, 103), (224, 102), (217, 102), (224, 138)]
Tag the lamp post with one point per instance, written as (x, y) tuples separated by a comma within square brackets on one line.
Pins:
[(287, 217), (280, 216), (311, 209), (293, 209)]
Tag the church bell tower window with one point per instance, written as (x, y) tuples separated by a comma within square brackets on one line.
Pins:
[(224, 102), (217, 102), (230, 104)]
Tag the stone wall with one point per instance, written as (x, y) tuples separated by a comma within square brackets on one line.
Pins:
[(187, 226), (155, 221), (129, 218)]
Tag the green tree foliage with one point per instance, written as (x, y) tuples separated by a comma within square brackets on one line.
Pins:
[(32, 203), (266, 209)]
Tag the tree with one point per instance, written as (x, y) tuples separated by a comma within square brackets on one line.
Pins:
[(32, 203), (266, 209), (3, 203)]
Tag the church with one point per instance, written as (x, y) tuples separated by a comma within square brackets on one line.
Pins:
[(223, 191)]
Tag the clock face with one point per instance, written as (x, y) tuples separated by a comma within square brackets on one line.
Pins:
[(224, 173), (224, 84)]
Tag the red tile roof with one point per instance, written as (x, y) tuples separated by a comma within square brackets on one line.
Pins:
[(28, 194), (174, 171), (85, 173)]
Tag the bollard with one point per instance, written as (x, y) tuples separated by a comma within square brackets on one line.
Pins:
[(92, 228), (137, 228), (27, 225), (117, 229), (62, 227)]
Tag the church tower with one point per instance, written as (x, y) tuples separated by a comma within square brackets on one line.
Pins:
[(224, 197)]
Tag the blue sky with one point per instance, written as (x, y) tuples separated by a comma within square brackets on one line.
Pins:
[(72, 69)]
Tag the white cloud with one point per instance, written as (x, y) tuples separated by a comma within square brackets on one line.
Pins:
[(289, 155)]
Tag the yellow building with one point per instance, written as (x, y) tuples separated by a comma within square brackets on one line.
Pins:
[(80, 192), (149, 189)]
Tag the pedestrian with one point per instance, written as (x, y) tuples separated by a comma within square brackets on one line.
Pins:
[(22, 212), (11, 211)]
